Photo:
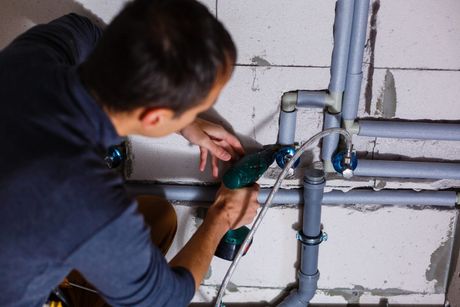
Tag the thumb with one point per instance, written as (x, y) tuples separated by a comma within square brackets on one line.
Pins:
[(217, 151)]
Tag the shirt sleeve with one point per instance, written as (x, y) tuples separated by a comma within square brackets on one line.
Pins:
[(67, 40), (125, 267)]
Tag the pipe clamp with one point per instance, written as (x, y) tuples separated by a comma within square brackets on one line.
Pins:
[(311, 241)]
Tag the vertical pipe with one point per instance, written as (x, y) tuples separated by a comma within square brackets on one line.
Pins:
[(287, 126), (330, 142), (310, 238), (339, 62), (355, 61), (313, 197), (342, 32)]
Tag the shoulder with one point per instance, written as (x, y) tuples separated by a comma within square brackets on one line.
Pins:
[(66, 40)]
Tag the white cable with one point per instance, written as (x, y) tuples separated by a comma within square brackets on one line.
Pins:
[(268, 202)]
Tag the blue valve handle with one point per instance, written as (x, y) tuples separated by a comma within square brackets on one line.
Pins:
[(338, 161)]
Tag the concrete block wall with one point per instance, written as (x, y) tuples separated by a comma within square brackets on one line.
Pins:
[(412, 71)]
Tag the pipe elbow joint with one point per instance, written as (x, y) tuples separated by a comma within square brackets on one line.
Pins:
[(289, 101), (308, 284)]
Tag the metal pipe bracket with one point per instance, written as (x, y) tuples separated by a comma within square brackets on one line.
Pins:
[(311, 241)]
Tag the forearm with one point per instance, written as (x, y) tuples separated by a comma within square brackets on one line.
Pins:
[(199, 250)]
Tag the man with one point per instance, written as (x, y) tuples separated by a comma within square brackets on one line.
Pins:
[(67, 93)]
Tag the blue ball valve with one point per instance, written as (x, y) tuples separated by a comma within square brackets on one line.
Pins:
[(345, 162), (115, 156)]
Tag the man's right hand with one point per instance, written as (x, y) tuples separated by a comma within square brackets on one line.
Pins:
[(232, 209), (235, 208)]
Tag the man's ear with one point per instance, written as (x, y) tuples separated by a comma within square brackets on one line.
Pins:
[(155, 118)]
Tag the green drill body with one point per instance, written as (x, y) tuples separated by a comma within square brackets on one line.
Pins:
[(243, 173), (250, 168)]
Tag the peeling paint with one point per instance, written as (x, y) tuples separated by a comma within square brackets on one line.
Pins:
[(254, 86), (438, 269), (253, 117), (129, 161), (352, 296), (389, 96), (370, 47), (365, 208), (379, 184), (387, 101), (259, 61), (231, 287)]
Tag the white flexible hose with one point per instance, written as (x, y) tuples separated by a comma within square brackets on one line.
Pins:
[(268, 202)]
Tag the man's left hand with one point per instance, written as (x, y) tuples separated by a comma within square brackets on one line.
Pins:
[(214, 139)]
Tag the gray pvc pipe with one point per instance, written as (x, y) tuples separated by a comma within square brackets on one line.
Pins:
[(342, 34), (404, 169), (355, 60), (311, 226), (330, 142), (311, 99), (409, 130), (392, 197), (207, 194), (287, 126), (308, 273)]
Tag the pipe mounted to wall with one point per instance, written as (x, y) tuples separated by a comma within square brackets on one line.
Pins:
[(207, 194), (355, 62), (343, 24), (340, 53), (406, 169), (409, 130), (310, 237), (290, 101), (330, 143), (312, 99)]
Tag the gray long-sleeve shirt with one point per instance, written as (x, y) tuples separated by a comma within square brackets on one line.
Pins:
[(60, 206)]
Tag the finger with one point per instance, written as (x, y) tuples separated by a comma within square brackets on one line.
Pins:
[(234, 142), (216, 150), (215, 166), (203, 158), (219, 132), (229, 149), (224, 135)]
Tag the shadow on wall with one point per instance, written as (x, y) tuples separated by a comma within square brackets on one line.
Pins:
[(16, 16)]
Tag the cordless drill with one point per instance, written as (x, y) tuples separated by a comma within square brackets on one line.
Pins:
[(243, 173)]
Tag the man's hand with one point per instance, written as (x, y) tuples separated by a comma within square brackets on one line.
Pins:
[(236, 207), (232, 209), (213, 139)]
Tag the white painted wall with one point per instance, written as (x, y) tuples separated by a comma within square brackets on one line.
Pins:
[(372, 252)]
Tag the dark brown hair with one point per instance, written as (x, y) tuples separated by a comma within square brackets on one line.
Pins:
[(159, 53)]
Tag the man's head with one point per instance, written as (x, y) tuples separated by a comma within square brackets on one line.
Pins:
[(160, 62)]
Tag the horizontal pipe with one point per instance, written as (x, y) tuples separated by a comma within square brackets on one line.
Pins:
[(312, 99), (409, 130), (207, 194), (405, 169)]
